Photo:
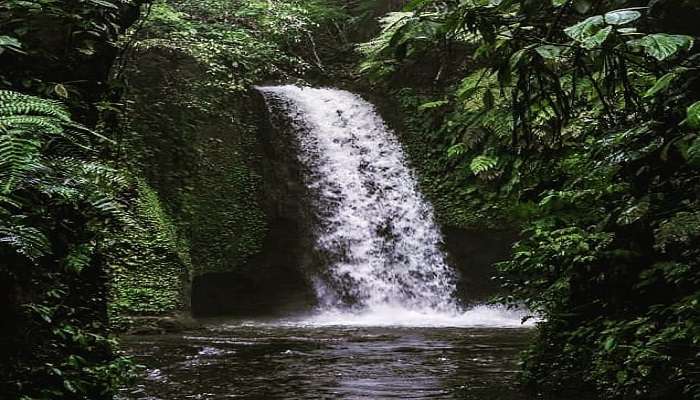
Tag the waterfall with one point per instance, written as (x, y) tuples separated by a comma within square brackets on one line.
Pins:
[(376, 228)]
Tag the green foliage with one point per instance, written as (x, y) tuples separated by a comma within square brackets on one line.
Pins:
[(482, 165), (391, 25), (662, 46), (242, 42), (59, 199), (579, 122), (9, 43), (150, 263), (42, 150), (44, 41), (49, 172), (694, 115)]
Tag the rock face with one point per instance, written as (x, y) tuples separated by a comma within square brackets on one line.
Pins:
[(473, 252), (231, 195), (274, 280)]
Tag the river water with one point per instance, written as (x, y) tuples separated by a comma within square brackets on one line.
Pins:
[(279, 360)]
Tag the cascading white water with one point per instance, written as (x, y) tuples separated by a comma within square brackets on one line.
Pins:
[(386, 263)]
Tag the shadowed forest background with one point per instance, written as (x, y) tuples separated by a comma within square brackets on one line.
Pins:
[(557, 140)]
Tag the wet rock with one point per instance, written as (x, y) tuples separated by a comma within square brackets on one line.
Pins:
[(158, 325)]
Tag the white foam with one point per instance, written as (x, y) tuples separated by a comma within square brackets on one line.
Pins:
[(387, 316)]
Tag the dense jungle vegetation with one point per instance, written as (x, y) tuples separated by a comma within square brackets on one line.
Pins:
[(577, 121)]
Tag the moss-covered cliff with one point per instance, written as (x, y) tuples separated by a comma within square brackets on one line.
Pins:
[(192, 133)]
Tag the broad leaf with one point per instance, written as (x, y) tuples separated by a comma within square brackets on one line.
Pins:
[(598, 39), (583, 6), (662, 46), (549, 52), (661, 84), (585, 29), (9, 41), (622, 17), (61, 91), (433, 104), (517, 57), (694, 115), (693, 153), (105, 4)]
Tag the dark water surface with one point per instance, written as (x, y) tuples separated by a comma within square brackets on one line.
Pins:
[(266, 361)]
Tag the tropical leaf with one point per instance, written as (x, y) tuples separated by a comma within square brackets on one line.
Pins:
[(483, 164), (662, 45), (694, 115), (586, 28), (433, 105), (25, 240), (622, 17), (662, 84), (550, 52)]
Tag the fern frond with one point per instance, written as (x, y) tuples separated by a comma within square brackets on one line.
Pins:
[(13, 103), (109, 207), (390, 24), (94, 172), (499, 122), (30, 123), (25, 240), (17, 156), (485, 167), (79, 257), (457, 150), (6, 201)]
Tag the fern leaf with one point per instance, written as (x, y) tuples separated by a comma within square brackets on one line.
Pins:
[(13, 103), (30, 123), (17, 156), (25, 240), (484, 167), (456, 150)]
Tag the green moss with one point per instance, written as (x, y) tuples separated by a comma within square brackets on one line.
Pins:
[(149, 263), (228, 224), (197, 147)]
